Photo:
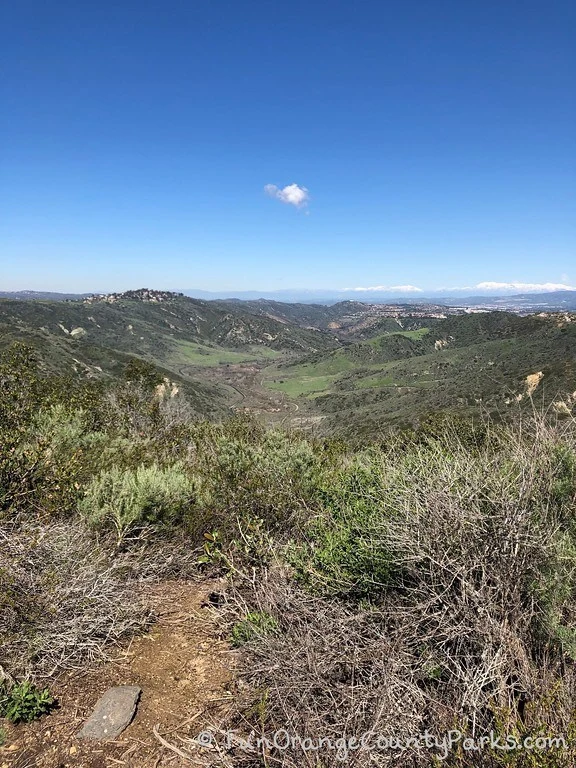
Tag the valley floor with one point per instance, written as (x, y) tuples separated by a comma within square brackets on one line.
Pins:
[(249, 393)]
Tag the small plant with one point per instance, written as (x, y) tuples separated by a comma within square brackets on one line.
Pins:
[(3, 736), (259, 709), (253, 542), (256, 624), (211, 548), (24, 702)]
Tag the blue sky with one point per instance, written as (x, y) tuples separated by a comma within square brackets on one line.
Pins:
[(436, 142)]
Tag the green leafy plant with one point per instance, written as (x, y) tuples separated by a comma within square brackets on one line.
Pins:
[(343, 554), (211, 548), (130, 499), (253, 541), (25, 702)]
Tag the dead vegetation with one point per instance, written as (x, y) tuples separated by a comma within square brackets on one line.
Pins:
[(68, 599), (474, 630)]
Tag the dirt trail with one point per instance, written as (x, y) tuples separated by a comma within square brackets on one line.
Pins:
[(185, 671)]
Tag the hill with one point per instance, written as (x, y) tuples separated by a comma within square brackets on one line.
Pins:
[(468, 364), (186, 339), (302, 315), (34, 295), (349, 320), (348, 367), (95, 336)]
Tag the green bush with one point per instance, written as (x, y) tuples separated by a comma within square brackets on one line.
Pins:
[(563, 473), (128, 499), (24, 702), (463, 490), (271, 476), (343, 555), (27, 388), (24, 389), (46, 466)]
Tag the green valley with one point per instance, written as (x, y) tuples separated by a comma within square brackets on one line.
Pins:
[(346, 367)]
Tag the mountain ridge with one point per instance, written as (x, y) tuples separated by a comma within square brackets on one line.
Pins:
[(561, 299)]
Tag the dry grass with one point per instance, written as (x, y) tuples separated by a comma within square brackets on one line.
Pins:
[(337, 672), (68, 599)]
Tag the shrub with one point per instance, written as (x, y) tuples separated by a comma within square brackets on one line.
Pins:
[(271, 476), (563, 459), (24, 702), (22, 387), (63, 598), (43, 469), (471, 623), (342, 555), (132, 409), (143, 373), (53, 458), (26, 388), (127, 499)]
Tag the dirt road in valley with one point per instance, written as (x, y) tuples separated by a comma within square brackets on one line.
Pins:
[(245, 381)]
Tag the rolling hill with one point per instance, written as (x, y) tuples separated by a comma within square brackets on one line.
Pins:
[(347, 367), (158, 326), (467, 364), (185, 338)]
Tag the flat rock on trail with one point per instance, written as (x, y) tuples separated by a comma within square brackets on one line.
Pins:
[(185, 671), (112, 714)]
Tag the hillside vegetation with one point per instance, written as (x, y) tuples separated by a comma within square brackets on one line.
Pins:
[(171, 331), (469, 364), (348, 368), (423, 583)]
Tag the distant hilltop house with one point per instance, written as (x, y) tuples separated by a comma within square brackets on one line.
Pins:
[(141, 294)]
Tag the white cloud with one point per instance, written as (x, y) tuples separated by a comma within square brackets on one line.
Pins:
[(492, 286), (291, 194), (399, 288)]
